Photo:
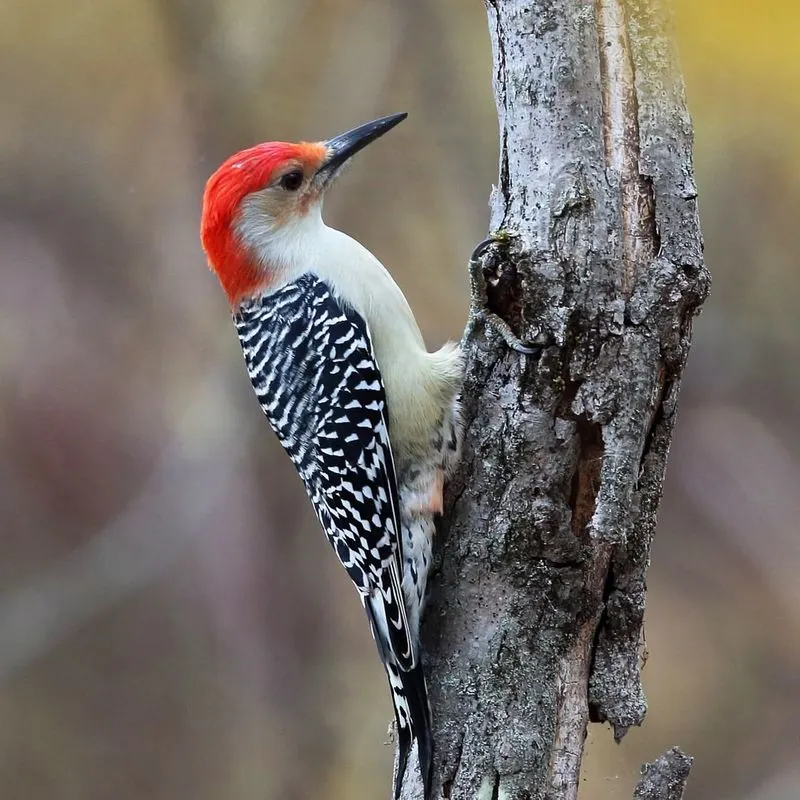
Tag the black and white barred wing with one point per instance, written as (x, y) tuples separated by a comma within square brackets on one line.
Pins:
[(313, 369)]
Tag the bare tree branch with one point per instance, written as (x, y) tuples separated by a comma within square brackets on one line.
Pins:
[(535, 617)]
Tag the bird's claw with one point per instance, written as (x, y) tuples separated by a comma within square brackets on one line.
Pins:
[(481, 248), (479, 302), (516, 344)]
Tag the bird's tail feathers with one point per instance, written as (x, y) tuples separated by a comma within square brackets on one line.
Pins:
[(410, 700)]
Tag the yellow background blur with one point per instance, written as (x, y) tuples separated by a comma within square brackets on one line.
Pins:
[(172, 623)]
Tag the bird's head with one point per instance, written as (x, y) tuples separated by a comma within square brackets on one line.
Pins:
[(259, 203)]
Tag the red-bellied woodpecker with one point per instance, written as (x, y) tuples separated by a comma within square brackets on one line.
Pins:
[(369, 417)]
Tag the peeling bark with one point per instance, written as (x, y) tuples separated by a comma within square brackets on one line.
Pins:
[(664, 778), (535, 616)]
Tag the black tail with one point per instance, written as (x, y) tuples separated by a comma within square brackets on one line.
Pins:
[(411, 707), (414, 703)]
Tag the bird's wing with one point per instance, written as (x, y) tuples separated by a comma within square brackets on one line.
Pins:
[(312, 365)]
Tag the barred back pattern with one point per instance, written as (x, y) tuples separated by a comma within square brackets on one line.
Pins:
[(313, 369), (313, 373)]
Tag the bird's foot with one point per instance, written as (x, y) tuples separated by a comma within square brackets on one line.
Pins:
[(479, 308)]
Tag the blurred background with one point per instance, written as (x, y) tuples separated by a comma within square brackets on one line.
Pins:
[(172, 623)]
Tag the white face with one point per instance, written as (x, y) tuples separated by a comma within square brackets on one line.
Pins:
[(282, 232), (293, 189)]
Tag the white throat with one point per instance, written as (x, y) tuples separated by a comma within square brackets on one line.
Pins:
[(288, 250)]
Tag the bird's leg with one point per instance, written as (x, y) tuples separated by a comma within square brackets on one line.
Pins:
[(479, 303)]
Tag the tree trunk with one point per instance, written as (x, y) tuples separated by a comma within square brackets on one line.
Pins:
[(535, 617)]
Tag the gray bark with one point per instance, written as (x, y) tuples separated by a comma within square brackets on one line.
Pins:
[(664, 778), (534, 623)]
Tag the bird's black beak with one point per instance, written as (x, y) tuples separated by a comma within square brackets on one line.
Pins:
[(343, 147)]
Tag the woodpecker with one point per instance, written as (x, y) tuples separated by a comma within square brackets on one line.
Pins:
[(367, 415)]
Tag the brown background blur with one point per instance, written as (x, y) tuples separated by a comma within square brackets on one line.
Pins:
[(172, 623)]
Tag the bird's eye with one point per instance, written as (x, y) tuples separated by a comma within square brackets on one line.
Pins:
[(292, 181)]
